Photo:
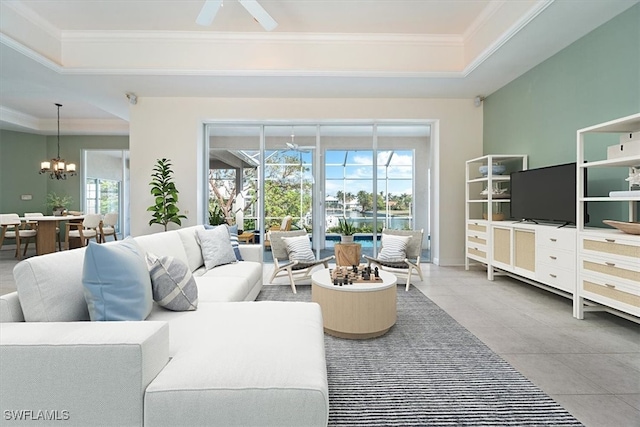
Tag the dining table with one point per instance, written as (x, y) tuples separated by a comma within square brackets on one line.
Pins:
[(46, 236)]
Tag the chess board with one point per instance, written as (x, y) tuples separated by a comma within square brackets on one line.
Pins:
[(342, 273)]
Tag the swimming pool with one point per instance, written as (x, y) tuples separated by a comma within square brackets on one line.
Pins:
[(365, 241)]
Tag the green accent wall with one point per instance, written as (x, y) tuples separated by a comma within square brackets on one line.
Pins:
[(20, 157), (594, 80)]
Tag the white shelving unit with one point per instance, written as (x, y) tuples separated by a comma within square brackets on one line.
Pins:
[(608, 260), (481, 212)]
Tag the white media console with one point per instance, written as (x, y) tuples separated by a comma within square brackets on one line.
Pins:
[(598, 267)]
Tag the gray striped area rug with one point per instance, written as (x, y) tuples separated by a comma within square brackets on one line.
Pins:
[(428, 370)]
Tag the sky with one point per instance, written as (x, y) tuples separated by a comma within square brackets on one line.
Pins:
[(358, 171)]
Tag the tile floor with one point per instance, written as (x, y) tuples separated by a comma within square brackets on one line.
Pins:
[(591, 366)]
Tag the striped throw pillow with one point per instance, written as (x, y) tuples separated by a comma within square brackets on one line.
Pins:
[(394, 248), (299, 248), (173, 285), (233, 236)]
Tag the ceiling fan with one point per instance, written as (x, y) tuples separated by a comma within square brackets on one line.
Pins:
[(300, 148), (211, 7)]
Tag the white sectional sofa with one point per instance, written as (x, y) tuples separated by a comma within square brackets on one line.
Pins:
[(231, 362)]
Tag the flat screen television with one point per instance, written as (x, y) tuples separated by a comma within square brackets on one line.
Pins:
[(545, 194)]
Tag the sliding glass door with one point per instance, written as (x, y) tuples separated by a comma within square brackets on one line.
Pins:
[(375, 175)]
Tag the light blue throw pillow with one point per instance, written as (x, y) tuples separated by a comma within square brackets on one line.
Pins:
[(116, 281)]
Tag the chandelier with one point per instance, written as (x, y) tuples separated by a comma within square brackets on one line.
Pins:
[(56, 167)]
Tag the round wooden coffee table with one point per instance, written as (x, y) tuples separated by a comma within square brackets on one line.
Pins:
[(358, 311)]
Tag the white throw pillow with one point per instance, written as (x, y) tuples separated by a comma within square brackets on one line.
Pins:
[(394, 248), (216, 247), (299, 248)]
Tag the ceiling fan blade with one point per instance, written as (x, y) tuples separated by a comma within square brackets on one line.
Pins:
[(260, 15), (208, 12)]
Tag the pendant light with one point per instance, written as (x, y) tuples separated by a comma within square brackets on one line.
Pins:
[(57, 168)]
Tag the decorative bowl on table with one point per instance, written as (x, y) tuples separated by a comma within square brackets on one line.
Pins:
[(496, 169)]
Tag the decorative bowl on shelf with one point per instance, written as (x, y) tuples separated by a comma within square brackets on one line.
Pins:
[(626, 227), (496, 169)]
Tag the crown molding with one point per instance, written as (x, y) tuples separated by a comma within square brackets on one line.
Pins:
[(15, 120), (35, 19), (30, 53), (299, 38), (536, 10)]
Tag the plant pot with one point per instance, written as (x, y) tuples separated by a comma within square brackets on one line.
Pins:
[(346, 239), (498, 216), (58, 210)]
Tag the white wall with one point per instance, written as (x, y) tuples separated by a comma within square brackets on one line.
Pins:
[(172, 128)]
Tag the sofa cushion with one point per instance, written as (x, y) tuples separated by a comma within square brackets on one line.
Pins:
[(222, 288), (191, 246), (172, 283), (164, 243), (277, 357), (50, 287), (240, 281), (116, 281), (216, 246), (299, 248)]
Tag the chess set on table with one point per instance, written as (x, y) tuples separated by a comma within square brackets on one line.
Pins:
[(354, 274)]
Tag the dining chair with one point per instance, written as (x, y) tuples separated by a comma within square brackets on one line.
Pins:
[(11, 228), (108, 226), (34, 224), (85, 230)]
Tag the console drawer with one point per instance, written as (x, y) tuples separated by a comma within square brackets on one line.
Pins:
[(612, 246), (620, 297), (477, 252), (556, 257), (559, 278), (476, 226), (477, 240), (564, 239), (611, 269)]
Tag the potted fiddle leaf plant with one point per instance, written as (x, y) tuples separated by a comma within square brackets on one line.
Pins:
[(58, 203), (165, 209), (347, 230)]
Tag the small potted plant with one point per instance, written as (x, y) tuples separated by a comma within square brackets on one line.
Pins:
[(347, 230), (58, 204)]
